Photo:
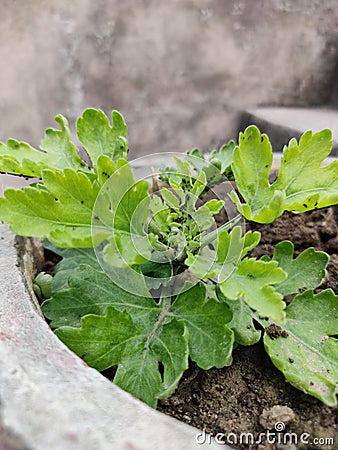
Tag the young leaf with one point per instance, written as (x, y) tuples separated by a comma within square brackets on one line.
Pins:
[(253, 280), (307, 270), (217, 166), (99, 138), (304, 351), (302, 185), (251, 167), (220, 264), (224, 156), (59, 152), (307, 185)]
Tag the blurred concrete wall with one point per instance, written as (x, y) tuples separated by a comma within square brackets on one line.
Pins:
[(178, 70)]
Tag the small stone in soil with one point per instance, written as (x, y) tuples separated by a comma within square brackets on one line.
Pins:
[(278, 415)]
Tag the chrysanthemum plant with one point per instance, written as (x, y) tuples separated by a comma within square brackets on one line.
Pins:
[(149, 280)]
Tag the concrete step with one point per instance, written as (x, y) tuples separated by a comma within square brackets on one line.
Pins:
[(281, 123)]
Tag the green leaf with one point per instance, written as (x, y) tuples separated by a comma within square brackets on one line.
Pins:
[(251, 167), (58, 152), (302, 185), (140, 375), (124, 250), (127, 198), (105, 168), (61, 212), (98, 137), (42, 285), (171, 348), (90, 291), (164, 332), (142, 345), (242, 322), (185, 184), (253, 280), (170, 198), (101, 340), (251, 240), (156, 273), (223, 156), (210, 339), (305, 352), (214, 206), (203, 218), (217, 166), (71, 259), (123, 208), (60, 149), (306, 184), (223, 261), (305, 271)]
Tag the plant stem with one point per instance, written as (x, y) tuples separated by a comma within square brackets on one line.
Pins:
[(210, 237), (166, 304)]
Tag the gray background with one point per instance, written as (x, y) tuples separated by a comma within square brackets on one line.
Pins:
[(180, 71)]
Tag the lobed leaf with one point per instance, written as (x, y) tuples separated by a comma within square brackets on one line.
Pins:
[(210, 339), (302, 184), (222, 262), (305, 271), (217, 166), (98, 137), (306, 351), (254, 281), (123, 208), (242, 322), (306, 184), (101, 340), (61, 211), (71, 259), (90, 291), (139, 374), (162, 332), (57, 152)]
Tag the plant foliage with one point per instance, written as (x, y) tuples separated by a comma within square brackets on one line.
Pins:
[(147, 280)]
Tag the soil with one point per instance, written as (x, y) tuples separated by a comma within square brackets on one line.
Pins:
[(252, 396)]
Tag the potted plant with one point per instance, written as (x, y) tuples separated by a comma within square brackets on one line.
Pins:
[(149, 280)]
